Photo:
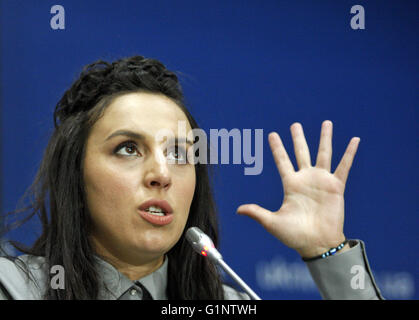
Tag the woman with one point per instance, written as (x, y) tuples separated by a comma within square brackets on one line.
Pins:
[(114, 211)]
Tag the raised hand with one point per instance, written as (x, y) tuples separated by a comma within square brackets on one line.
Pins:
[(310, 219)]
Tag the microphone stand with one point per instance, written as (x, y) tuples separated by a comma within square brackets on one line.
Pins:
[(236, 278), (203, 245)]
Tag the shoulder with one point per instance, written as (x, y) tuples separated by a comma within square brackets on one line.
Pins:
[(23, 277), (232, 294)]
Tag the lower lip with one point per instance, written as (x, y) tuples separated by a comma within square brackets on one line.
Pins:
[(157, 220)]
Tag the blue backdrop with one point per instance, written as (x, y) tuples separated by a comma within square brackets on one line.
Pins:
[(245, 64)]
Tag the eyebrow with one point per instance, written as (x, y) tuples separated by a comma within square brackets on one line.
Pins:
[(140, 137)]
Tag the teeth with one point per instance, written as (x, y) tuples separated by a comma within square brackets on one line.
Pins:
[(155, 210), (160, 214)]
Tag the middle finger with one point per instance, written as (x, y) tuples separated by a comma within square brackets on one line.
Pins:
[(302, 153)]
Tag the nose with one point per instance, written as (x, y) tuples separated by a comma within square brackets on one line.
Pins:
[(158, 174)]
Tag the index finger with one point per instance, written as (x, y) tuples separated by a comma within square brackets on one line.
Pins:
[(282, 160)]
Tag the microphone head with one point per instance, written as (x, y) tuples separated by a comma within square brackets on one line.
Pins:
[(202, 244)]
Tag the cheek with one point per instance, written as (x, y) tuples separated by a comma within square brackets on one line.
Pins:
[(185, 189), (107, 192)]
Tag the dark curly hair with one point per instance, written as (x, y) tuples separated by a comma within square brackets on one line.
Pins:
[(58, 189)]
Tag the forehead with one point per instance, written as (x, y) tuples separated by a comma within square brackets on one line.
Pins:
[(145, 112)]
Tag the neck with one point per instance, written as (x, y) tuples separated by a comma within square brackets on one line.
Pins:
[(133, 267)]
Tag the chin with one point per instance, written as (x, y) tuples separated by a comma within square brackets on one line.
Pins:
[(158, 245)]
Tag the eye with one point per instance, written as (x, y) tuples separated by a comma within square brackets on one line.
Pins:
[(176, 153), (128, 148)]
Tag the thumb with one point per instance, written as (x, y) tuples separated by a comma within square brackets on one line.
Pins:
[(256, 212)]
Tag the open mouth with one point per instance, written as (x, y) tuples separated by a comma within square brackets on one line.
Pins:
[(157, 212)]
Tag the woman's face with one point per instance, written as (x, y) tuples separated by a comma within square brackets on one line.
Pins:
[(125, 166)]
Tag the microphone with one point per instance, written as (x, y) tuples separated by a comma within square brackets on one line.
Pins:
[(203, 244)]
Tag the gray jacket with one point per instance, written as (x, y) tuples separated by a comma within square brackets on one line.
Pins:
[(345, 275)]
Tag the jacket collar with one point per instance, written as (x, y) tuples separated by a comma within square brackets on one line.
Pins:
[(114, 284)]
